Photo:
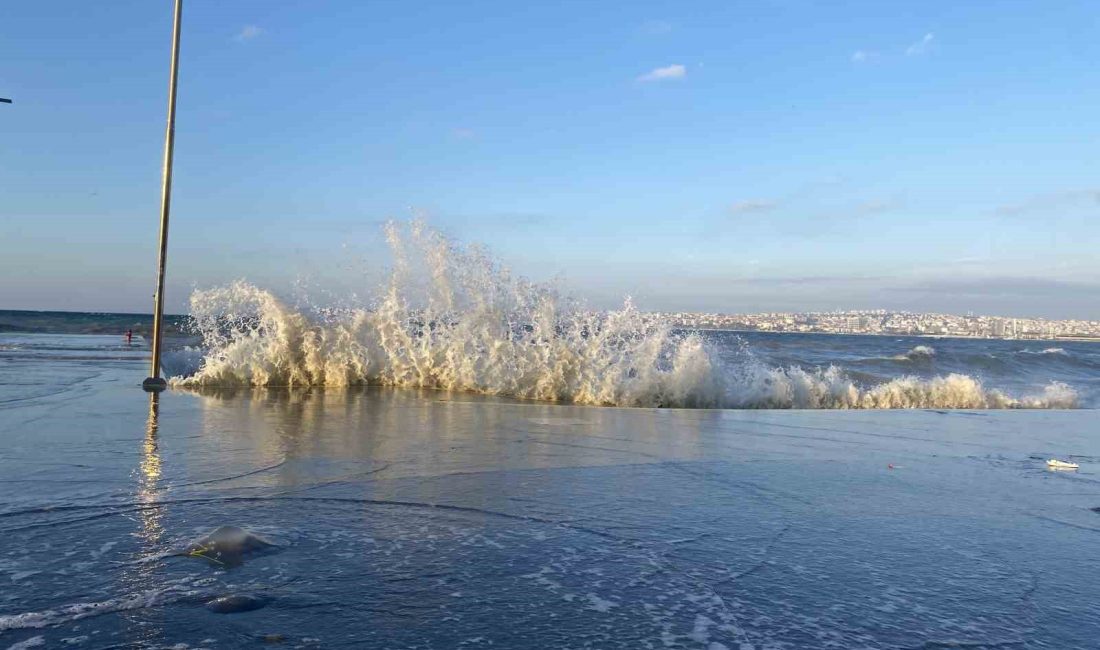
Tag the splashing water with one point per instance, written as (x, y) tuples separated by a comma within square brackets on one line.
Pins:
[(473, 327), (453, 318)]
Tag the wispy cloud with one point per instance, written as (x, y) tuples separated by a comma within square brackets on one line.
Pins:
[(670, 72), (247, 33), (863, 56), (922, 46), (463, 134), (1020, 295), (812, 279), (992, 285), (752, 207), (1066, 200)]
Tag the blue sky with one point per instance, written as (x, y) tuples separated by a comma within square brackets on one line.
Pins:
[(716, 156)]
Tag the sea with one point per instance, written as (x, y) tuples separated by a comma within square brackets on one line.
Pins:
[(470, 460), (707, 368)]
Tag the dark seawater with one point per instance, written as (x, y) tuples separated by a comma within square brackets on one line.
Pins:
[(436, 519), (67, 322)]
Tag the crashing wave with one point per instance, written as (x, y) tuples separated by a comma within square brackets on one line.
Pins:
[(452, 318), (471, 326)]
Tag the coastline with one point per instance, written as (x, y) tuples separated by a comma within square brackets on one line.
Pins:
[(1078, 339), (31, 321)]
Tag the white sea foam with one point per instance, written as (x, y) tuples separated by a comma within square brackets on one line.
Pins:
[(1060, 351), (918, 353), (452, 318), (33, 642), (78, 611)]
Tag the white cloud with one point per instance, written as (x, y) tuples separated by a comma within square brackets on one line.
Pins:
[(921, 46), (863, 56), (1052, 203), (674, 71), (247, 33), (752, 206)]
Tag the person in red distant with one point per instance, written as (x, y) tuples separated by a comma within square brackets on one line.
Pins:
[(129, 336)]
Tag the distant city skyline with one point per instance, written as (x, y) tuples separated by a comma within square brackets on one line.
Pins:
[(778, 155), (886, 322), (853, 321)]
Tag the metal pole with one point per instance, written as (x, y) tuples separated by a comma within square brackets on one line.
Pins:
[(155, 382)]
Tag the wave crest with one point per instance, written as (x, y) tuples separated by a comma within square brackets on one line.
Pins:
[(758, 386), (452, 318), (918, 353), (1058, 351)]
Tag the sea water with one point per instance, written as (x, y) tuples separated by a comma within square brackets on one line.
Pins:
[(450, 465), (443, 519)]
